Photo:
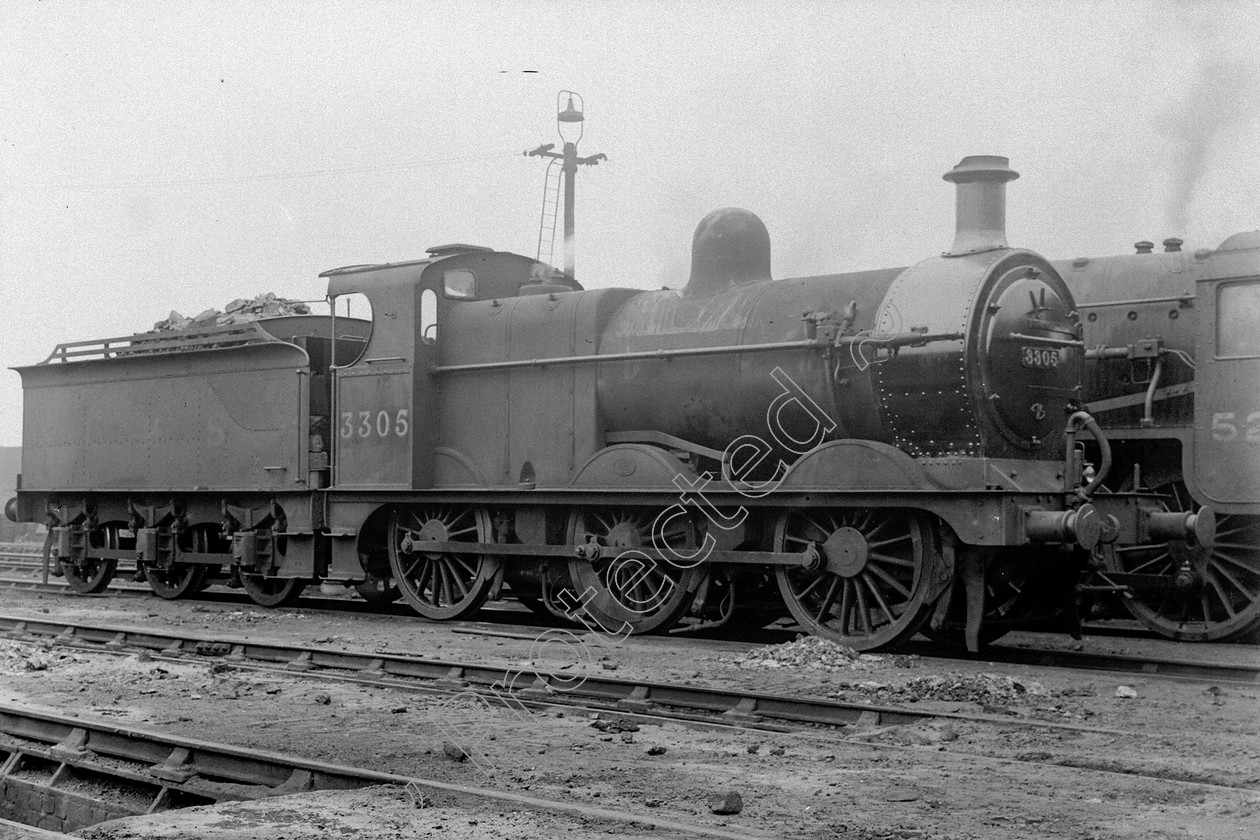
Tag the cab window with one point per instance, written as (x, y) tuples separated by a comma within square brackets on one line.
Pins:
[(428, 316), (460, 283), (1237, 314)]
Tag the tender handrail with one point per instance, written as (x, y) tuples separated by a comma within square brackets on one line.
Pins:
[(151, 343)]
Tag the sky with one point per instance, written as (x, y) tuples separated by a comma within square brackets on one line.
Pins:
[(176, 156)]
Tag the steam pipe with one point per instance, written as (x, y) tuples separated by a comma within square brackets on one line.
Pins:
[(890, 340), (1148, 406), (1083, 420)]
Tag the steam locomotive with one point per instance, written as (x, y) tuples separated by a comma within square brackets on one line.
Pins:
[(1173, 373), (881, 450)]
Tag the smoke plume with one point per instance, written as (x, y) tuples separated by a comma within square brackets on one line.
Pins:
[(1220, 97)]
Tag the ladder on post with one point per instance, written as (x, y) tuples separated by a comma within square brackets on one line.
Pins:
[(550, 211)]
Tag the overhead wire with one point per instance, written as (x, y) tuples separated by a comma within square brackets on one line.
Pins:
[(244, 179)]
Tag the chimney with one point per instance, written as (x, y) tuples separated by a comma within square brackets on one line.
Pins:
[(1173, 244), (981, 203), (1144, 247)]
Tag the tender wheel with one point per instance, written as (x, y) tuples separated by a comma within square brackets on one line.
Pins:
[(647, 595), (441, 585), (870, 587), (179, 581), (272, 592), (1221, 597), (205, 539), (182, 580), (94, 575)]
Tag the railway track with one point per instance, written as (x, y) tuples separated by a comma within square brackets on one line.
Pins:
[(21, 569), (596, 693), (1146, 666), (838, 721), (694, 704), (19, 562), (46, 757), (222, 593), (1166, 667)]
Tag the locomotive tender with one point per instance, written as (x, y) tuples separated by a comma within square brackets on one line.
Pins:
[(867, 443), (1173, 342)]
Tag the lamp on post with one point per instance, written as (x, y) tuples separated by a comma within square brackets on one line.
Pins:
[(570, 124), (570, 115), (565, 120)]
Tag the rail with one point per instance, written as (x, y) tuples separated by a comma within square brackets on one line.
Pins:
[(56, 761), (182, 772), (714, 705)]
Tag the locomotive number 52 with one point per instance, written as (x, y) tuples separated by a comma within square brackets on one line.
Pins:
[(1224, 428), (366, 424)]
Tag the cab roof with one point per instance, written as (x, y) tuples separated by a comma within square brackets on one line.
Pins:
[(435, 253)]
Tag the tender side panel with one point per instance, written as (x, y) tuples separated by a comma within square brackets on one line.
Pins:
[(231, 418), (1227, 422)]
